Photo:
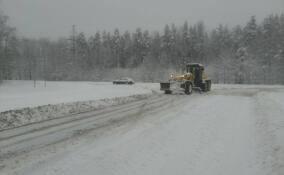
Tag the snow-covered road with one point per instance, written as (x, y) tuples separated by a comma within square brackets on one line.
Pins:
[(231, 130)]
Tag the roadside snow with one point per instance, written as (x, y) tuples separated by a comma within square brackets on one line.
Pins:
[(16, 118), (270, 130), (21, 94), (21, 103), (244, 86)]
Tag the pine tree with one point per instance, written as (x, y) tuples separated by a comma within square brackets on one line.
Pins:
[(7, 48)]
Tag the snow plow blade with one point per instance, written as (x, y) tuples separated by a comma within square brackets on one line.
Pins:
[(165, 86)]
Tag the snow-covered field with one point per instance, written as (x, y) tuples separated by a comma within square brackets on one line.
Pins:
[(20, 94), (23, 102), (234, 129)]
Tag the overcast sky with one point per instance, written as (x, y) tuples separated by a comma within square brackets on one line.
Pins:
[(54, 18)]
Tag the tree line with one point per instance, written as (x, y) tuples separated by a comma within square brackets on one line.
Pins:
[(252, 53)]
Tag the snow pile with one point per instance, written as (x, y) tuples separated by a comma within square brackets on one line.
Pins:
[(16, 118)]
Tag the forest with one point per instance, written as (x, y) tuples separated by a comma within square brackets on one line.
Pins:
[(248, 54)]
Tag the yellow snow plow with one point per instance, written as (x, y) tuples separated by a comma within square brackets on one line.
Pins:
[(193, 78)]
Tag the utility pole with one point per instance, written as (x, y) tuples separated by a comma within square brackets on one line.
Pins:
[(73, 42), (73, 47), (44, 66)]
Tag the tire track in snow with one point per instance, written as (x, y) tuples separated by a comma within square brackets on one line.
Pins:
[(47, 133), (269, 125)]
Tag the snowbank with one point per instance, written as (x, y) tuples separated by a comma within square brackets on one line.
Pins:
[(16, 118), (23, 102), (245, 86), (21, 94)]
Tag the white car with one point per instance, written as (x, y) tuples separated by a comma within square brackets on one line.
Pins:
[(124, 80)]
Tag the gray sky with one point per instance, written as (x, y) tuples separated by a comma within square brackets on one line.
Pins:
[(53, 18)]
